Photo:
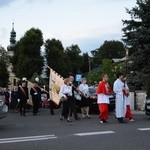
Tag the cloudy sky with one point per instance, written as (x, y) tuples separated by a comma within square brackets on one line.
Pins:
[(87, 23)]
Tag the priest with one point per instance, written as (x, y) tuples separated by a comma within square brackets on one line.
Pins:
[(118, 88)]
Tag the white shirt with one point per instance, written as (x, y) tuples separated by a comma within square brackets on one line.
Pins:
[(127, 98), (102, 99), (65, 89), (84, 88)]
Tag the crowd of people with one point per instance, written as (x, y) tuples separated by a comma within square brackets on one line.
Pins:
[(120, 88), (20, 96), (18, 99)]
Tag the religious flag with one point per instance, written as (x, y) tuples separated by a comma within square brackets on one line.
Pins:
[(55, 82)]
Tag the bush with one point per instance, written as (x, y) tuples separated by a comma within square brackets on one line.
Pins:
[(146, 83)]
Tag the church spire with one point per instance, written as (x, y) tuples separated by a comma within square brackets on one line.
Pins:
[(12, 39), (13, 35)]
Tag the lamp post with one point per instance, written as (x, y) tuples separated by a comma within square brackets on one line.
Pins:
[(93, 52)]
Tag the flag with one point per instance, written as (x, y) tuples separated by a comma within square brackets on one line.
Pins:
[(55, 82)]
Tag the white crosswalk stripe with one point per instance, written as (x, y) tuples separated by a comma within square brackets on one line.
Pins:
[(94, 133), (144, 129), (26, 139)]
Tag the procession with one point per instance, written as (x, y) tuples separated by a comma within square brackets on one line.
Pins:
[(18, 100), (74, 75)]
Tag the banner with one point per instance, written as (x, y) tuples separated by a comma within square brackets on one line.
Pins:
[(55, 82)]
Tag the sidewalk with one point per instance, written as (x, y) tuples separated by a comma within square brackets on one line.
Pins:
[(138, 112)]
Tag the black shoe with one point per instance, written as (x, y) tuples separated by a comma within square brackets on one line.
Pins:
[(121, 120), (77, 118), (68, 120), (52, 112), (105, 121), (61, 117), (88, 117)]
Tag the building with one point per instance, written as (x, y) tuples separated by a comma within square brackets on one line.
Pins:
[(10, 48), (13, 80)]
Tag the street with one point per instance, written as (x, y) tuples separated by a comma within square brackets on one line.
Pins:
[(44, 132)]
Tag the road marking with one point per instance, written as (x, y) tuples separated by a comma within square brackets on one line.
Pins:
[(27, 139), (144, 129), (94, 133)]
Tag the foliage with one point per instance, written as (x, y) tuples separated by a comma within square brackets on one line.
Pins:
[(4, 75), (137, 37), (75, 59), (65, 61), (107, 67), (41, 80), (55, 56), (146, 82), (109, 50), (27, 57), (85, 63)]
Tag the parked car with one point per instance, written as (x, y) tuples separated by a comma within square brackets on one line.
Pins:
[(93, 99), (94, 106), (3, 107), (147, 107)]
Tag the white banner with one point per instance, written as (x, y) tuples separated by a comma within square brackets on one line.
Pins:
[(55, 82)]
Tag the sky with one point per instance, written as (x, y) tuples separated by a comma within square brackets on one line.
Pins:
[(87, 23)]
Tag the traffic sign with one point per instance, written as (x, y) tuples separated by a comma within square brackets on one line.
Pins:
[(78, 77)]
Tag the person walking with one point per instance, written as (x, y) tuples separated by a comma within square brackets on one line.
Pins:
[(103, 91), (120, 99), (65, 94), (23, 97), (35, 92), (14, 99), (7, 96), (85, 95), (128, 114), (73, 101)]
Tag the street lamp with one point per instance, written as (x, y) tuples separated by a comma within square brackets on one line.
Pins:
[(93, 52)]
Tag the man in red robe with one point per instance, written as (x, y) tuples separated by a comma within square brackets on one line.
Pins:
[(103, 91)]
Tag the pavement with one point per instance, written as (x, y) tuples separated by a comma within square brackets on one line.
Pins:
[(47, 132)]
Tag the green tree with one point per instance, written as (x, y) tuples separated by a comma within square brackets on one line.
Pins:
[(107, 67), (85, 63), (137, 38), (109, 50), (41, 82), (73, 53), (55, 56), (27, 57), (4, 60)]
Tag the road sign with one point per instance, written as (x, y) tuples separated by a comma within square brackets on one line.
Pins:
[(78, 77)]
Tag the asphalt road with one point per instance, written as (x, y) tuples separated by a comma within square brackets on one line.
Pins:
[(46, 132)]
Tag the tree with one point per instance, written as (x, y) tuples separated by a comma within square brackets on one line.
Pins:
[(109, 50), (4, 75), (107, 67), (85, 63), (27, 57), (137, 38), (55, 56), (75, 59)]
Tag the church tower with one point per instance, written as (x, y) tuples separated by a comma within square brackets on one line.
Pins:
[(10, 48)]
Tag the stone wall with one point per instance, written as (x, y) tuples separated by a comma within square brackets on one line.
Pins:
[(140, 100)]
